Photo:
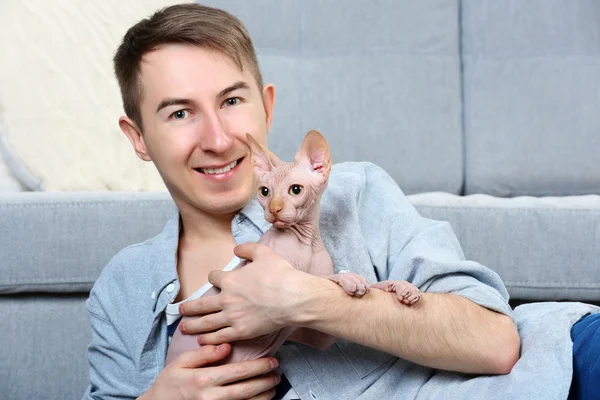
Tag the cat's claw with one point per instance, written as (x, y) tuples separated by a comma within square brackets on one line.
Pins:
[(353, 284), (406, 292)]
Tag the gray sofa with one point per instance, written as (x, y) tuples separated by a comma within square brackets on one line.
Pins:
[(485, 112)]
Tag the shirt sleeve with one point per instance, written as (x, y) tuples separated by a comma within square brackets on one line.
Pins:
[(403, 245), (109, 361)]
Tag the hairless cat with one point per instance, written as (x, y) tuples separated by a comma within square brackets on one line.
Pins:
[(290, 194)]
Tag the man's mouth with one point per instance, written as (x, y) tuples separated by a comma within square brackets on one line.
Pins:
[(222, 170)]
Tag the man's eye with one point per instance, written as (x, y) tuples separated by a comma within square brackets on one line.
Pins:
[(232, 101), (180, 114)]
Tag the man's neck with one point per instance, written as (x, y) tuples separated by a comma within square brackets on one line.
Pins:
[(200, 227)]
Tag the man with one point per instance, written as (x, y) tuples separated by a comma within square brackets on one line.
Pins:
[(192, 89)]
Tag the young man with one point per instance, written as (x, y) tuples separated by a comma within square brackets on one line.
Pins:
[(192, 89)]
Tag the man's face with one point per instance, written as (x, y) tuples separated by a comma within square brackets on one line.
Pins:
[(197, 107)]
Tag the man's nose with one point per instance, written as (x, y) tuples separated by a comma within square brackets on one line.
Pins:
[(213, 135)]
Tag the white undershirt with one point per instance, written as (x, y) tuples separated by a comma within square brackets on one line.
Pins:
[(172, 309)]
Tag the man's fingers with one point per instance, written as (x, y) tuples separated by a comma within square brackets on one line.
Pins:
[(200, 306), (215, 277), (268, 395), (224, 335), (249, 251), (239, 371), (203, 356), (253, 388), (207, 323)]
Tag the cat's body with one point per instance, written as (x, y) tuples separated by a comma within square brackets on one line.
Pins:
[(290, 194)]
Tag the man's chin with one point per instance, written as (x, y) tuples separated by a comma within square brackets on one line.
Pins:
[(218, 204)]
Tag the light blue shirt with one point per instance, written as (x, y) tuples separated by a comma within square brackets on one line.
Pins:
[(369, 227)]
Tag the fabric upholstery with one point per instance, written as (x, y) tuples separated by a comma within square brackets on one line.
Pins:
[(59, 242), (542, 248), (44, 347), (381, 80), (531, 96)]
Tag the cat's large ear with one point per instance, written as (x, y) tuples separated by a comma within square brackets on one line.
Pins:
[(264, 159), (314, 151)]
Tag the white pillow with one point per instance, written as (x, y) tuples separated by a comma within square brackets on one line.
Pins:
[(59, 99), (8, 182)]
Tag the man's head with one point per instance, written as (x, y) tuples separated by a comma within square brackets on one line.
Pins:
[(192, 90), (192, 24)]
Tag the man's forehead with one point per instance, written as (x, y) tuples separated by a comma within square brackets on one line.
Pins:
[(173, 60), (174, 70)]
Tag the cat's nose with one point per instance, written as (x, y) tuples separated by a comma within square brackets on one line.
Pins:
[(275, 210)]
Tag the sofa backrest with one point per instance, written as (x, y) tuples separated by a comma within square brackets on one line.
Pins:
[(468, 96), (381, 80), (531, 97)]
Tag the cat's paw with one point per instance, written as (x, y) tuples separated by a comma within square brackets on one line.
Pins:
[(353, 284), (406, 292)]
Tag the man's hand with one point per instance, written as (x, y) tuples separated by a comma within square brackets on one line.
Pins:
[(188, 377), (255, 300)]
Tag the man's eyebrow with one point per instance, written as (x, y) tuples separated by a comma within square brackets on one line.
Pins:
[(189, 102), (235, 86), (175, 102)]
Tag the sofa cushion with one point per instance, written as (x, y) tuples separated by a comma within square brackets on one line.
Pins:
[(44, 340), (382, 83), (531, 90), (59, 242), (542, 248)]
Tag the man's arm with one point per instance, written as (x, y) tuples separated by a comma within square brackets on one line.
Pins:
[(443, 331)]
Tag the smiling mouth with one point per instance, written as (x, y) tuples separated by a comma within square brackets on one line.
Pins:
[(214, 171)]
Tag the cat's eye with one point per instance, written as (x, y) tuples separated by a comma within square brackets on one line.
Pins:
[(295, 190), (264, 191)]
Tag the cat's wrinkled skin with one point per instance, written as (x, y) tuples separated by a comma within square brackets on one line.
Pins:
[(290, 194)]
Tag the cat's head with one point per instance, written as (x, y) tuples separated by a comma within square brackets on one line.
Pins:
[(289, 190)]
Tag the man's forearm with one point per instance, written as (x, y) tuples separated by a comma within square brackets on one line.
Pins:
[(441, 331)]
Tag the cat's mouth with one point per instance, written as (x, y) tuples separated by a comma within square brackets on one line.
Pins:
[(281, 224)]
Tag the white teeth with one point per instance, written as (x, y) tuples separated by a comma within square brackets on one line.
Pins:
[(211, 171)]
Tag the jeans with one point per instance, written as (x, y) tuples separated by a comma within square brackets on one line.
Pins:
[(586, 359)]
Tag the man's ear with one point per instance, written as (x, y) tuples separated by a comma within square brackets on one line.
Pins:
[(134, 135), (264, 160), (269, 103), (315, 153)]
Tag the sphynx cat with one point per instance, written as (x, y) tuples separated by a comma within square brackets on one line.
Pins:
[(290, 194)]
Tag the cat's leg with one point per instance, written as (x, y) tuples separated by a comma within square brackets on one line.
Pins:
[(406, 292), (353, 284)]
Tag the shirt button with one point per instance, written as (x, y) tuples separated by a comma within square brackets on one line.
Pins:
[(170, 287)]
